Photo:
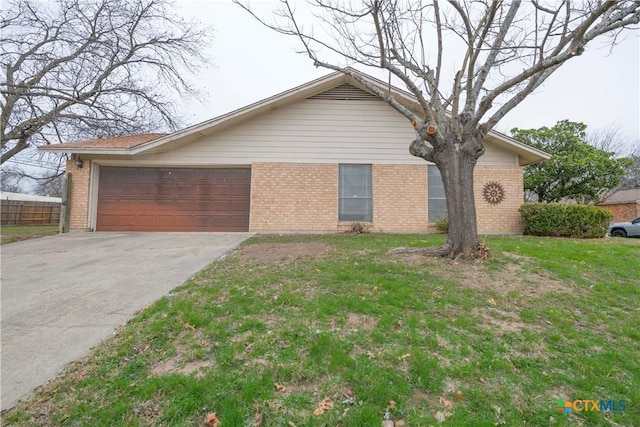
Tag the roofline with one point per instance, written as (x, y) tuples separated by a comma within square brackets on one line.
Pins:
[(275, 101), (634, 197), (85, 150), (60, 148), (621, 202), (522, 145), (88, 149)]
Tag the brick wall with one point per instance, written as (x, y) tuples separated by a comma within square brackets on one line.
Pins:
[(624, 211), (400, 198), (503, 218), (304, 197), (294, 197), (79, 200)]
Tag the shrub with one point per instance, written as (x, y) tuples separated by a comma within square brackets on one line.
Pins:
[(564, 220), (358, 228), (442, 224)]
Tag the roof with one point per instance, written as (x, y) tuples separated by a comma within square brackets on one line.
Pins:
[(162, 142), (623, 196), (116, 142)]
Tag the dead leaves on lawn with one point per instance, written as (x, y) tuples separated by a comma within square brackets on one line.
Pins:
[(323, 406), (257, 419), (211, 420), (326, 404), (446, 402), (387, 420), (441, 416), (447, 411), (444, 412)]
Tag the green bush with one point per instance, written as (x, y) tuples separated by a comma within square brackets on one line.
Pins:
[(442, 224), (564, 220)]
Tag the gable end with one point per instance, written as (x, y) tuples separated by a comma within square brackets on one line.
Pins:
[(345, 92)]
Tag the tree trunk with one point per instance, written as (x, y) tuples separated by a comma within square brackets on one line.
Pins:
[(456, 159), (456, 167)]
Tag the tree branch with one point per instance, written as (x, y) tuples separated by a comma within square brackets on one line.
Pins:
[(91, 60)]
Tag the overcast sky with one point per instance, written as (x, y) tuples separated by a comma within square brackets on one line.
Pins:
[(253, 62)]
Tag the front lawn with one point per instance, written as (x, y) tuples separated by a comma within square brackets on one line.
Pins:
[(329, 330), (15, 233)]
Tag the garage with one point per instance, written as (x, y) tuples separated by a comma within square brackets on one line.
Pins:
[(173, 199)]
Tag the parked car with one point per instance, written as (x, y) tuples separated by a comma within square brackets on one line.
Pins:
[(625, 229)]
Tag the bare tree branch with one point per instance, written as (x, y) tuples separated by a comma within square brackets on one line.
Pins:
[(496, 49), (109, 65)]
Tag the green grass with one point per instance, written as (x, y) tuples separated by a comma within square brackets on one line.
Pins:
[(263, 336), (13, 233)]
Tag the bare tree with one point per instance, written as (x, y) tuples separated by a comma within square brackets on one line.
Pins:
[(608, 138), (51, 185), (45, 178), (501, 51), (10, 181), (631, 178), (72, 68)]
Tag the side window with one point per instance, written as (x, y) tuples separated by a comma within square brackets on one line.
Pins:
[(355, 195), (437, 199)]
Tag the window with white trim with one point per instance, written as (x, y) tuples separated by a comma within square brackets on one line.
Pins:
[(437, 199), (355, 193)]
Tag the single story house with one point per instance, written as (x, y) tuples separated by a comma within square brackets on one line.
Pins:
[(623, 204), (316, 158)]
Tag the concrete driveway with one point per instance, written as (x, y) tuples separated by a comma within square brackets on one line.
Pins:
[(62, 295)]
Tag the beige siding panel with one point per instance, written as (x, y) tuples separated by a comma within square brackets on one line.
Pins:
[(496, 156), (317, 131)]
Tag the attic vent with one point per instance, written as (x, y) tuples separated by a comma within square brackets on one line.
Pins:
[(345, 92)]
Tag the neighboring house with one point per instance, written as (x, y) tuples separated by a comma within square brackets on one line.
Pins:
[(316, 158), (623, 204), (6, 195)]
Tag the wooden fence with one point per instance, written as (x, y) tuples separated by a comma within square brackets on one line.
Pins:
[(23, 212)]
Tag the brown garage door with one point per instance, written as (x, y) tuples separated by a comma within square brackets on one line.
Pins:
[(173, 199)]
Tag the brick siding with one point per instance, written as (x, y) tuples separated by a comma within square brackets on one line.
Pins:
[(303, 197), (400, 198), (624, 211), (503, 218), (294, 197), (79, 200)]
